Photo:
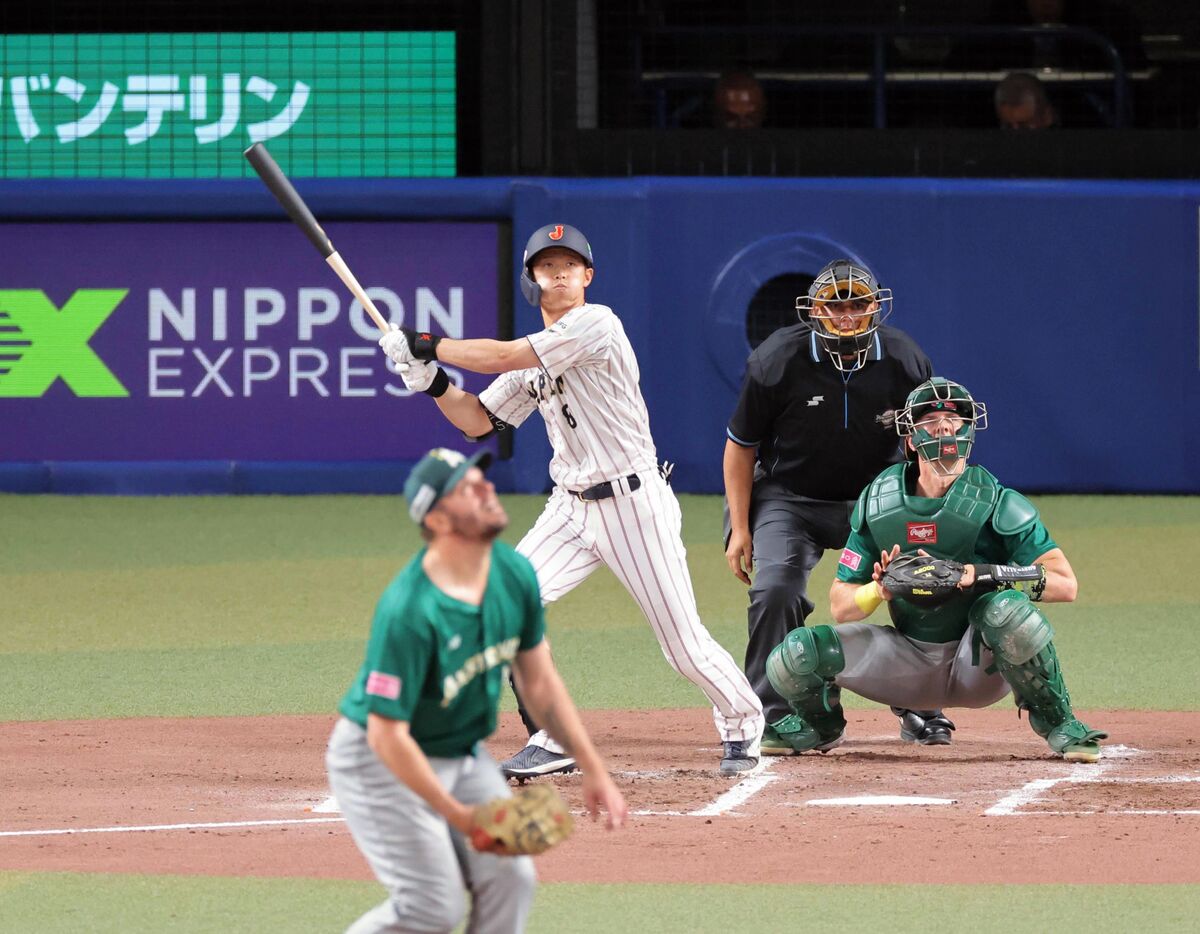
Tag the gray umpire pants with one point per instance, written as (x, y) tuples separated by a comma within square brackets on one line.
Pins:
[(790, 534), (426, 866), (883, 665)]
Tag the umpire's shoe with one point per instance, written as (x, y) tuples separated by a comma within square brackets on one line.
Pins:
[(542, 756), (927, 727)]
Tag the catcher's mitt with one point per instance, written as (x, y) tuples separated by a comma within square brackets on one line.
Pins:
[(530, 822), (922, 580)]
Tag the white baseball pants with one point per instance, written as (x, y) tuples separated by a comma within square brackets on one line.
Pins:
[(637, 535)]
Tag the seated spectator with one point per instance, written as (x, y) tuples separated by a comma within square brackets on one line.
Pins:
[(1022, 104), (738, 102)]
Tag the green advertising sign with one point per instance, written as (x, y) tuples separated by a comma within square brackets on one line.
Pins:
[(185, 105)]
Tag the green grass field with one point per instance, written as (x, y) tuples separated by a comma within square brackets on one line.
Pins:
[(223, 606)]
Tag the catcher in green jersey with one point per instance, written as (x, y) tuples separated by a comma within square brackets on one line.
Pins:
[(406, 761), (963, 564)]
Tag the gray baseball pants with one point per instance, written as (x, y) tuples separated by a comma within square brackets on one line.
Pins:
[(426, 866), (883, 665)]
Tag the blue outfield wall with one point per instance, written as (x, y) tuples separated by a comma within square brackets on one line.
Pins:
[(1071, 308)]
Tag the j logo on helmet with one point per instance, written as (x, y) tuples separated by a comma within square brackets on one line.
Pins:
[(556, 233)]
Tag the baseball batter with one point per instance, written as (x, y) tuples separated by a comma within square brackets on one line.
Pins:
[(989, 635), (405, 759), (610, 504)]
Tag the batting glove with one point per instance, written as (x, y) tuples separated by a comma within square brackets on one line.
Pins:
[(395, 345), (417, 376)]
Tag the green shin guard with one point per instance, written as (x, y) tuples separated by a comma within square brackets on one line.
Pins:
[(802, 669), (1020, 638), (817, 722)]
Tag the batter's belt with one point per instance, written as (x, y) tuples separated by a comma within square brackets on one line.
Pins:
[(608, 489)]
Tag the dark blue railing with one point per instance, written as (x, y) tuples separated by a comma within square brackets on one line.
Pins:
[(1117, 75)]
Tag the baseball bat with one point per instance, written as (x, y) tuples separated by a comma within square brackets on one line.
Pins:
[(285, 193)]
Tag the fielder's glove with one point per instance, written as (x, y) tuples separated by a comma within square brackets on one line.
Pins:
[(530, 822), (922, 580)]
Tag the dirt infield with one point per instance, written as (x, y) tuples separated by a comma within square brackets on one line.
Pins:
[(1004, 808)]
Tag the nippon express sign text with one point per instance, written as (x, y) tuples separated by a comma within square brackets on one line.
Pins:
[(206, 340)]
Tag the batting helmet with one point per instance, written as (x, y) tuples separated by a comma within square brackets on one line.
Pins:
[(543, 238), (845, 333), (945, 396)]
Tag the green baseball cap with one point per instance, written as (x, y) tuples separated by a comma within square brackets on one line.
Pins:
[(435, 475)]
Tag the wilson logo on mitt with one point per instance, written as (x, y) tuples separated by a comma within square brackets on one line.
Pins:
[(922, 580)]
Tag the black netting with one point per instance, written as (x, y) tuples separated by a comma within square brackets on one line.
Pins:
[(774, 306)]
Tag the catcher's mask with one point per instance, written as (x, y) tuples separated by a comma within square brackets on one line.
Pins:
[(940, 395), (543, 238), (844, 307)]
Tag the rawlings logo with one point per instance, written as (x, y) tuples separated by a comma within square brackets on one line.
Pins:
[(950, 449), (850, 559), (556, 233), (922, 533)]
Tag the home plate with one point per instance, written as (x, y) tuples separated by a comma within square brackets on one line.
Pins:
[(876, 801)]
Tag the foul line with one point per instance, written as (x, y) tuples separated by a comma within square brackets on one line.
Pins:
[(213, 826)]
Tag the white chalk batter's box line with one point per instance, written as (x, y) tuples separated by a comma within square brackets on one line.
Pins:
[(1010, 805), (727, 804), (1015, 804)]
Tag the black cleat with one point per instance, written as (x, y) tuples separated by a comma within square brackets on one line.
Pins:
[(927, 727)]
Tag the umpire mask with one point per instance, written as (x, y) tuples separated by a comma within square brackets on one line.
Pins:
[(845, 306), (933, 443), (543, 238)]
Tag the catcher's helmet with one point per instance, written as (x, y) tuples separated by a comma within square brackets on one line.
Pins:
[(543, 238), (846, 336), (941, 395)]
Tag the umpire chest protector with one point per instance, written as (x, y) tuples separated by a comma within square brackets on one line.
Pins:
[(945, 528)]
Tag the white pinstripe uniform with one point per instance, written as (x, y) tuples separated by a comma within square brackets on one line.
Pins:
[(587, 391)]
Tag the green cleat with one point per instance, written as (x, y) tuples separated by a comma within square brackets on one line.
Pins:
[(794, 734), (772, 745), (1076, 742)]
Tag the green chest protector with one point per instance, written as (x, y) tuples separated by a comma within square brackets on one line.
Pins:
[(945, 528)]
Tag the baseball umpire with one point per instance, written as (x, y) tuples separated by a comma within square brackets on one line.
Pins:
[(802, 443), (406, 760), (963, 565)]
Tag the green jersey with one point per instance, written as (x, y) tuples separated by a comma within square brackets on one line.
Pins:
[(439, 663), (978, 521)]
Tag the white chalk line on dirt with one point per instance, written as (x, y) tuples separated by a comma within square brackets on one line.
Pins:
[(739, 794), (1139, 811), (1013, 802), (216, 825)]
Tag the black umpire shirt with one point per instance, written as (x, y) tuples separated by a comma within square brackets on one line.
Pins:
[(814, 426)]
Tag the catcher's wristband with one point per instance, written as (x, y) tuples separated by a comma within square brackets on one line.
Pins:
[(867, 598), (441, 382), (1030, 579)]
